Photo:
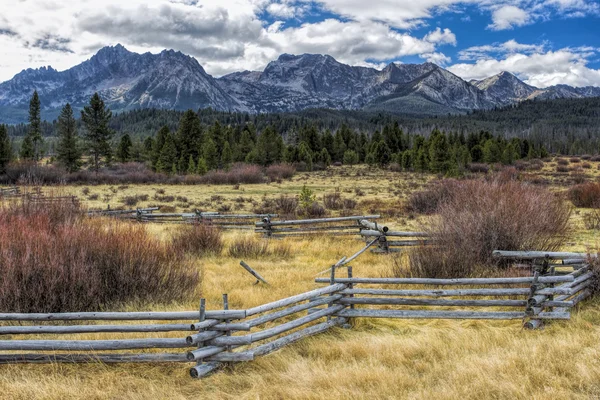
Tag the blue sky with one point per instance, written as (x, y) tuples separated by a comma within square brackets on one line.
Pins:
[(544, 42)]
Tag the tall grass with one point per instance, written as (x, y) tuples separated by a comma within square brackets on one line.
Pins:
[(54, 260), (478, 217)]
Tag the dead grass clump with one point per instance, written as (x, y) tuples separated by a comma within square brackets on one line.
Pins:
[(585, 195), (562, 161), (248, 247), (251, 247), (478, 217), (53, 261), (333, 201), (562, 168), (198, 239), (134, 200)]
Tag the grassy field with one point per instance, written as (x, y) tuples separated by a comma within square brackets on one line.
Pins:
[(379, 359)]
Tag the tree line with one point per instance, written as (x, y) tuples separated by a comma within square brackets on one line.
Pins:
[(196, 142)]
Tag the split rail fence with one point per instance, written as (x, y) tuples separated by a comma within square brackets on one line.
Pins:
[(338, 226), (215, 337)]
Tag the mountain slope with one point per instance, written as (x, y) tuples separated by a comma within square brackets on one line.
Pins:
[(172, 80), (125, 80)]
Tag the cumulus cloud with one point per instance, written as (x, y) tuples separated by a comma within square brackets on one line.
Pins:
[(565, 66), (492, 50), (508, 17)]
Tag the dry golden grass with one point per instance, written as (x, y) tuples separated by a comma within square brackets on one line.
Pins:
[(378, 359)]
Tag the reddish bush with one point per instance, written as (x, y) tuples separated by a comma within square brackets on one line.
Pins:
[(54, 261), (562, 168), (427, 201), (277, 172), (239, 173), (478, 217), (585, 195), (562, 161), (198, 239), (478, 168)]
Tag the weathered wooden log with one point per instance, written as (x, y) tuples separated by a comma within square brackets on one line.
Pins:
[(533, 324), (432, 302), (318, 220), (409, 243), (253, 273), (122, 316), (92, 345), (201, 370), (231, 357), (358, 253), (532, 255), (439, 293), (371, 232), (309, 229), (553, 315), (386, 251), (294, 299), (584, 294), (457, 282), (277, 330), (282, 235), (418, 314), (373, 226), (277, 344), (90, 358), (202, 337), (204, 352), (27, 330), (292, 310)]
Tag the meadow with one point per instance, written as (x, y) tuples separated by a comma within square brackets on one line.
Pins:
[(375, 358)]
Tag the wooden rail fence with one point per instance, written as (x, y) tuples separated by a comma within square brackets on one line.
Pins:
[(215, 337), (337, 226), (380, 234)]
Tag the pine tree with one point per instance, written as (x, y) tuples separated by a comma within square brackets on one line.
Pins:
[(168, 156), (26, 152), (269, 147), (305, 155), (124, 150), (438, 153), (157, 146), (191, 169), (32, 145), (227, 156), (189, 135), (95, 118), (201, 169), (491, 152), (350, 157), (324, 157), (210, 154), (69, 151), (5, 149)]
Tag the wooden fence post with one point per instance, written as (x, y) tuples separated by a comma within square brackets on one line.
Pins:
[(347, 325), (331, 282), (227, 321)]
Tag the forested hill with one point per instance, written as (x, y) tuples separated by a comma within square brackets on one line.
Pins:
[(566, 125)]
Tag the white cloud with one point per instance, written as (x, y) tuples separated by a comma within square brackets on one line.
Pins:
[(491, 50), (440, 36), (508, 17), (565, 66), (436, 58)]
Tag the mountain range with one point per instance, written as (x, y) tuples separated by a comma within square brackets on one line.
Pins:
[(173, 80)]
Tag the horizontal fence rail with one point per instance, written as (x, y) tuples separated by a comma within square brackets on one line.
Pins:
[(337, 226)]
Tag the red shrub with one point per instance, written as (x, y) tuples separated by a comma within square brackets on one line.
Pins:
[(478, 217), (585, 195), (55, 262), (278, 172)]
